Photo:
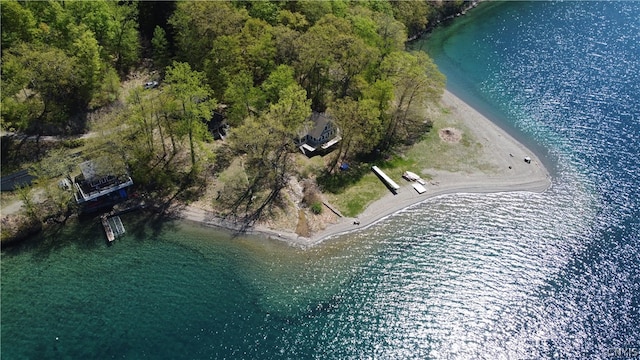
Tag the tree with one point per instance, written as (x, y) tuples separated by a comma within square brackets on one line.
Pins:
[(291, 110), (141, 114), (18, 24), (244, 98), (329, 60), (125, 45), (267, 144), (224, 60), (416, 79), (48, 80), (115, 26), (294, 21), (160, 48), (392, 33), (94, 35), (31, 207), (20, 105), (279, 79), (312, 10), (381, 91), (87, 54), (189, 89), (258, 48), (197, 23), (360, 127), (413, 14), (285, 40), (54, 23), (97, 16), (56, 164), (165, 107), (264, 10)]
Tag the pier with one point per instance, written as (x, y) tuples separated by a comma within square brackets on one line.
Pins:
[(387, 180), (111, 221), (113, 227)]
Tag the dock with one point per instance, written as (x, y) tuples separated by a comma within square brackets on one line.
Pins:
[(113, 227), (419, 188), (387, 180)]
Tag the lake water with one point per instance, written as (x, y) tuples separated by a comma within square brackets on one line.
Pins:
[(492, 276)]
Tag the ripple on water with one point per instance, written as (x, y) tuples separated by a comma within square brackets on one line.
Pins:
[(491, 276)]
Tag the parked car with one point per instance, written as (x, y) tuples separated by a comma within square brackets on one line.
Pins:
[(150, 84)]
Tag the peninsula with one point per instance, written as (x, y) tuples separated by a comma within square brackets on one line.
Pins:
[(496, 164), (257, 116)]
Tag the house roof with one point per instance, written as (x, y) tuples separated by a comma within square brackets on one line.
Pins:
[(319, 121), (99, 178), (88, 169)]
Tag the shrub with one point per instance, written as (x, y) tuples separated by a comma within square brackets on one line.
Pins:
[(73, 143), (316, 208)]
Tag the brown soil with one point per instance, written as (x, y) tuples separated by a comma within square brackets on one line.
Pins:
[(450, 135), (303, 226)]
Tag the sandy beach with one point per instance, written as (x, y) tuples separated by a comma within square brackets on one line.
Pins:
[(509, 172)]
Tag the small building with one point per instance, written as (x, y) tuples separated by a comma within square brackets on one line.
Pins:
[(320, 135), (217, 126), (99, 186)]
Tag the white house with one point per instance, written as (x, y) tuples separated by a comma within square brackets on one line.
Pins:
[(320, 135)]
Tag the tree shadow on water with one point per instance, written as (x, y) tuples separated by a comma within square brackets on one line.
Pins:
[(82, 233), (149, 225)]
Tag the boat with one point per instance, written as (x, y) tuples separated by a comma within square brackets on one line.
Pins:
[(410, 176), (107, 229)]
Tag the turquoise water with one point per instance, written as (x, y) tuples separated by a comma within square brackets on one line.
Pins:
[(510, 275)]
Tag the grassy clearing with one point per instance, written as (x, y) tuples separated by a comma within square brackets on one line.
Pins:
[(434, 154), (351, 192), (355, 198)]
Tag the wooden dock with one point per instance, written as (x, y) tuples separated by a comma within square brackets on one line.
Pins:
[(113, 227), (386, 179)]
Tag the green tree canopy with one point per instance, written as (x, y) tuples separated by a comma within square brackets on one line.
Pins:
[(359, 124), (160, 45), (330, 57), (416, 79), (18, 24), (48, 80), (266, 141), (189, 89), (243, 98), (197, 23), (280, 79)]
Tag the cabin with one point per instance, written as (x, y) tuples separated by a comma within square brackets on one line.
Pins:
[(319, 136), (100, 185), (217, 126)]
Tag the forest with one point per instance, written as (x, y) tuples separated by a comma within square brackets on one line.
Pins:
[(265, 66)]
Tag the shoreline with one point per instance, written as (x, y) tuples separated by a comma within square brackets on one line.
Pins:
[(501, 150)]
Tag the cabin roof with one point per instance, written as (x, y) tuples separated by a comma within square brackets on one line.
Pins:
[(319, 122)]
